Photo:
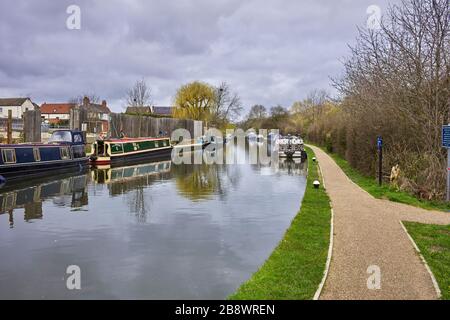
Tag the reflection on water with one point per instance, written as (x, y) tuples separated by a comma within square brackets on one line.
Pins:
[(66, 191), (151, 230)]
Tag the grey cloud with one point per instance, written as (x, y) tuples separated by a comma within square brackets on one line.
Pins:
[(270, 51)]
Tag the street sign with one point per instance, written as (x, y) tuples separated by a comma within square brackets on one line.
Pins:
[(446, 144), (446, 136), (380, 159), (379, 143)]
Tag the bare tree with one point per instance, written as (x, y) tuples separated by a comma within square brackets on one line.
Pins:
[(227, 107), (396, 84), (139, 95)]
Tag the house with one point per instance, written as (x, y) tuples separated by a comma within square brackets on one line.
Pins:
[(17, 105), (162, 111), (56, 113), (97, 119), (159, 111), (139, 110)]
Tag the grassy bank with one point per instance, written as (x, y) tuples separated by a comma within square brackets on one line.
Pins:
[(295, 268), (370, 184), (434, 244)]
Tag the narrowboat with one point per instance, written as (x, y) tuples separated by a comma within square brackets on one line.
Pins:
[(64, 151), (291, 147), (113, 151), (192, 145)]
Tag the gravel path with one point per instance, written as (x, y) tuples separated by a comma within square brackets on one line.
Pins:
[(367, 232)]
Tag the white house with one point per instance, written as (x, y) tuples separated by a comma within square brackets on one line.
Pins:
[(17, 105), (56, 112)]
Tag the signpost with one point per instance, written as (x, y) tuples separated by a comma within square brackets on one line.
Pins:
[(380, 159), (446, 144)]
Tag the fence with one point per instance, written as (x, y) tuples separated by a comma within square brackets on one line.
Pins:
[(134, 126), (29, 125), (17, 124), (142, 126)]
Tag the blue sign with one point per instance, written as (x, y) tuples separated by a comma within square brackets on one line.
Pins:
[(379, 142), (446, 136)]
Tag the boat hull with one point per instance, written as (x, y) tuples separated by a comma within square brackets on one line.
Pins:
[(40, 169), (289, 154), (125, 158)]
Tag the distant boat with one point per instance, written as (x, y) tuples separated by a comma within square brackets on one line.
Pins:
[(291, 147), (112, 151), (191, 145), (64, 151)]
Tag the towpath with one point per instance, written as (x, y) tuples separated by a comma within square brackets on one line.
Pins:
[(368, 233)]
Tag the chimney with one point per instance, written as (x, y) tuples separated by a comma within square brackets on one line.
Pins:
[(104, 103), (86, 101)]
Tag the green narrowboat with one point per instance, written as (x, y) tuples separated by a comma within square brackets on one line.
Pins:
[(113, 151)]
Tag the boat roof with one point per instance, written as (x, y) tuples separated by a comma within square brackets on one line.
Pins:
[(119, 140), (34, 144)]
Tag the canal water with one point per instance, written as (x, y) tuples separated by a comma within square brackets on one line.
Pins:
[(147, 231)]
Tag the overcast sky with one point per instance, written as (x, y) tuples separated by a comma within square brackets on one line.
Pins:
[(270, 52)]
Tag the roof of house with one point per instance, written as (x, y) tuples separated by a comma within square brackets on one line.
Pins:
[(58, 108), (12, 101), (97, 108), (145, 109), (94, 107), (162, 110)]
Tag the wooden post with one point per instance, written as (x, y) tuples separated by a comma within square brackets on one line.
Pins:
[(9, 127), (32, 126)]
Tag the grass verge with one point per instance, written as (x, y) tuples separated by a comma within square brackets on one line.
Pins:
[(434, 244), (296, 266), (385, 191)]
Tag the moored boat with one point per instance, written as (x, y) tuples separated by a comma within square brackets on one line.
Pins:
[(291, 147), (64, 151), (112, 151)]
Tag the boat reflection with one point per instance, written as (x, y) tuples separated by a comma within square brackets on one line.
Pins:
[(130, 181), (64, 190), (293, 166)]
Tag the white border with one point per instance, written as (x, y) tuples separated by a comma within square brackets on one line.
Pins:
[(433, 279)]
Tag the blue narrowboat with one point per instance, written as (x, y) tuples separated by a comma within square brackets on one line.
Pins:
[(64, 151)]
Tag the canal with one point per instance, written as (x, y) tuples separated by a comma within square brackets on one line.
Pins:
[(146, 231)]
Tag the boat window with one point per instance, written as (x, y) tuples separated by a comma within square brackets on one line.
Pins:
[(64, 153), (9, 155), (61, 136), (37, 154), (156, 144), (100, 148), (164, 143), (77, 138)]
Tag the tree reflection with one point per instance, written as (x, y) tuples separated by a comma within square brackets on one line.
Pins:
[(202, 182)]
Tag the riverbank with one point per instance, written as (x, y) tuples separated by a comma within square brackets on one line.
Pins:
[(370, 184), (433, 242), (296, 267)]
